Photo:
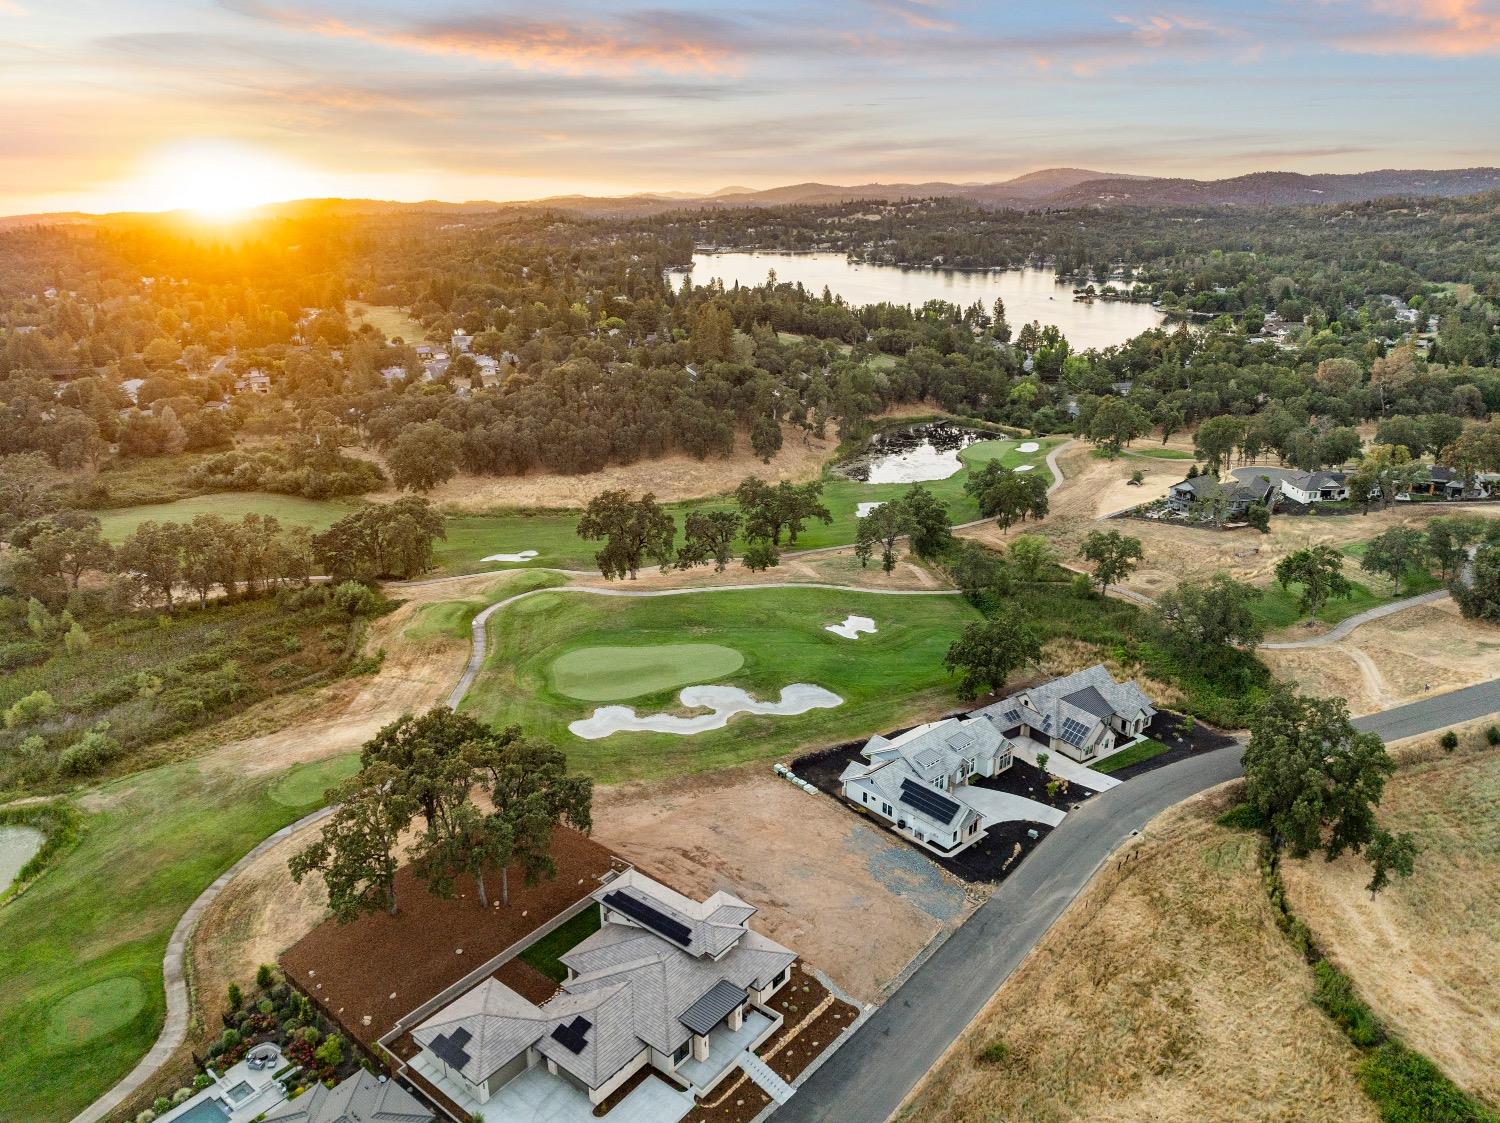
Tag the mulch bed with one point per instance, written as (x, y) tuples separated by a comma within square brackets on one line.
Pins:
[(353, 970), (1026, 780), (1166, 728), (802, 993), (990, 860)]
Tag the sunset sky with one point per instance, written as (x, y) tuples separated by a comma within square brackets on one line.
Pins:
[(149, 104)]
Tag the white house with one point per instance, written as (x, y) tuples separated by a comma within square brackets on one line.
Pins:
[(678, 985), (1085, 716), (1316, 487), (917, 782)]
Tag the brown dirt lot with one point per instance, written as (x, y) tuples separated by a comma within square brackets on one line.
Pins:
[(835, 890), (353, 969), (1425, 953), (1423, 650), (1164, 993)]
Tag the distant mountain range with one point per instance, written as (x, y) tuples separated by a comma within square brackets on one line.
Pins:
[(1048, 188)]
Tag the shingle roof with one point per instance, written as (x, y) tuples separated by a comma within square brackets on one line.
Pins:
[(713, 925), (360, 1099), (1090, 695)]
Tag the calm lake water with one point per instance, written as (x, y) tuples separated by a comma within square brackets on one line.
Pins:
[(1029, 294), (911, 455), (17, 845)]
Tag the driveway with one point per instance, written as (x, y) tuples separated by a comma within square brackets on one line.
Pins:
[(1002, 807), (538, 1097), (1069, 770)]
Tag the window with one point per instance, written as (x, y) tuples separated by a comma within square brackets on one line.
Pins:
[(682, 1052), (885, 808), (955, 836), (864, 797)]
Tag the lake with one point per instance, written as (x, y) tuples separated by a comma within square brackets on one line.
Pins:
[(1029, 294), (911, 455), (17, 846)]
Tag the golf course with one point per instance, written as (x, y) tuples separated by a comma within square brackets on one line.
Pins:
[(556, 654), (472, 538)]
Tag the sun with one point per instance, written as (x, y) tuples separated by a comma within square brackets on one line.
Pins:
[(219, 180)]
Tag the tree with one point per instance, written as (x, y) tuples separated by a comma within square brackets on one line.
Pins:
[(469, 842), (27, 481), (708, 536), (153, 554), (1319, 570), (1258, 515), (1216, 439), (1007, 496), (1031, 555), (1115, 423), (425, 758), (380, 540), (1115, 556), (1207, 615), (771, 511), (356, 853), (765, 437), (424, 456), (927, 522), (533, 793), (1479, 597), (882, 526), (1387, 854), (978, 572), (1392, 468), (989, 652), (1392, 553), (1316, 781), (631, 529)]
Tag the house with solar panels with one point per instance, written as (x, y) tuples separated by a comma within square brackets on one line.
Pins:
[(917, 781), (1085, 716), (679, 985)]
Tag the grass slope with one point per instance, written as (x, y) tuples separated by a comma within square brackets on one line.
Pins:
[(1277, 607), (290, 510), (884, 679), (91, 932)]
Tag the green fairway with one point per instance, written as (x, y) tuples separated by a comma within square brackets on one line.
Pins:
[(606, 674), (315, 514), (551, 533), (307, 784), (451, 619), (81, 990), (892, 676)]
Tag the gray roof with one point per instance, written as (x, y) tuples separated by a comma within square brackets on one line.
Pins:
[(360, 1099), (1090, 701), (630, 987), (713, 1007), (1090, 696)]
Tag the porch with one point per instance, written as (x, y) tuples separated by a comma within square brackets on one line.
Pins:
[(724, 1049)]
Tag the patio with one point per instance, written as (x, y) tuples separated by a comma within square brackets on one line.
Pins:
[(724, 1049)]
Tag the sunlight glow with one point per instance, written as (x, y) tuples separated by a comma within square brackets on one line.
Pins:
[(219, 180)]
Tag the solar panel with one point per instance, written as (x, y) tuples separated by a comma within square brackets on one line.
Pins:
[(1010, 715), (927, 801), (1074, 731), (1047, 722), (570, 1037), (644, 914), (450, 1048)]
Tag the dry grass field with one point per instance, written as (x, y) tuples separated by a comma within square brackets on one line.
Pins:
[(1165, 993), (1425, 953)]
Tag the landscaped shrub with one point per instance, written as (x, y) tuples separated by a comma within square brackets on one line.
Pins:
[(265, 976), (236, 996), (331, 1052)]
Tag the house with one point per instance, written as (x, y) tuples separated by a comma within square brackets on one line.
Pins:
[(1240, 494), (461, 340), (916, 782), (1316, 487), (363, 1098), (1084, 716), (254, 382), (668, 982)]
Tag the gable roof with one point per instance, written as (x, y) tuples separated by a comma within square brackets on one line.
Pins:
[(360, 1099), (1090, 696)]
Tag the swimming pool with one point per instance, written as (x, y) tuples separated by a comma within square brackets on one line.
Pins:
[(206, 1110)]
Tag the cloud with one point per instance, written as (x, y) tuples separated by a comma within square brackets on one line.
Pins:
[(668, 42), (921, 14), (11, 8), (1440, 28)]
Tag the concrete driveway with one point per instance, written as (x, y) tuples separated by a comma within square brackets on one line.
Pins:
[(1002, 807)]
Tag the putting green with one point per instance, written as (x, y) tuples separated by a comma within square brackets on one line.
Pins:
[(94, 1011), (605, 674)]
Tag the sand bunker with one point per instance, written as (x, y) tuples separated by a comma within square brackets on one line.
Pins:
[(724, 701), (1028, 446), (852, 627), (1025, 467), (524, 555), (866, 508)]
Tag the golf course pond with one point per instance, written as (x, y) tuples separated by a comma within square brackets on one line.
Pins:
[(18, 845), (911, 454)]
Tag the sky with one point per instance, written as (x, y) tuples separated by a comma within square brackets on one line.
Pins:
[(155, 104)]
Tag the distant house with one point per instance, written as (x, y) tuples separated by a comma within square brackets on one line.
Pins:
[(1084, 716), (1316, 487), (253, 382), (132, 388), (916, 782), (363, 1098), (1449, 484), (461, 340), (1239, 494), (667, 982)]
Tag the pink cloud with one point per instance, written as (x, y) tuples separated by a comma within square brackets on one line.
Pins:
[(1448, 28)]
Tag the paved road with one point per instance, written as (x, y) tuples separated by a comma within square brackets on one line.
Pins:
[(872, 1074)]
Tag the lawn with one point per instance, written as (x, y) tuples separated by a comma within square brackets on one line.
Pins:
[(452, 619), (1277, 607), (81, 993), (1135, 754), (546, 954), (892, 676), (551, 533), (291, 510), (391, 321)]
